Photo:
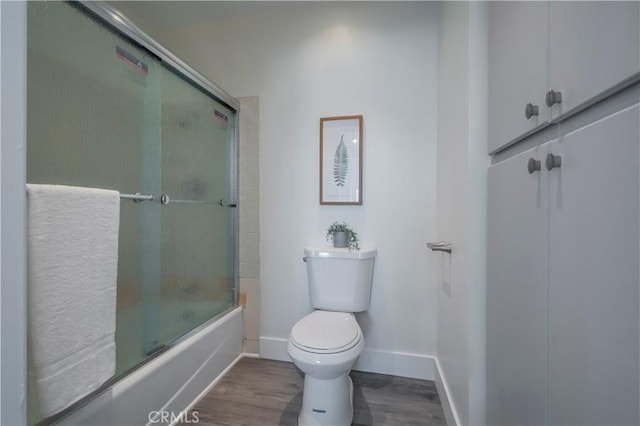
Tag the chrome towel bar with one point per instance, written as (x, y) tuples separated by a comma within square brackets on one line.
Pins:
[(137, 197), (164, 199)]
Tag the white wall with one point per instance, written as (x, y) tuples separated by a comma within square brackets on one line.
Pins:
[(478, 164), (462, 167), (313, 60), (13, 358), (453, 119)]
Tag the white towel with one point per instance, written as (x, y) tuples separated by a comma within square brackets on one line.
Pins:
[(73, 266)]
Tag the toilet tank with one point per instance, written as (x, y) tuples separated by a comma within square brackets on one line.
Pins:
[(339, 279)]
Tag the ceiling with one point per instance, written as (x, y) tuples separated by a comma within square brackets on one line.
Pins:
[(179, 13)]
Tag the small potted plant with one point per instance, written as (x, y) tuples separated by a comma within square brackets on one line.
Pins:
[(342, 236)]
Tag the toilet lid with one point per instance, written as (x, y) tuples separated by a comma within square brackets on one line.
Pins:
[(325, 331)]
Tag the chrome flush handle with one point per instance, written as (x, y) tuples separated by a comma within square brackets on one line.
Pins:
[(224, 203)]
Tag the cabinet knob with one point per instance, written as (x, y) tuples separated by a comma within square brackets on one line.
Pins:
[(553, 97), (530, 110), (533, 165), (552, 161)]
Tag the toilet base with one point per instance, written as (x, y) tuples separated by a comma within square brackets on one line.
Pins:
[(327, 402)]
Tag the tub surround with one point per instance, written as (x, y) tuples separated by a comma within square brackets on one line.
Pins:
[(249, 229)]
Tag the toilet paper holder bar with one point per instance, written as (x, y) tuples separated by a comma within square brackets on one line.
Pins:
[(440, 246)]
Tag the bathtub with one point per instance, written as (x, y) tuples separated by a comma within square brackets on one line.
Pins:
[(160, 392)]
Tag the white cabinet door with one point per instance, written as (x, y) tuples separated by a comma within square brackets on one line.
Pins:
[(593, 46), (518, 37), (594, 274), (517, 292)]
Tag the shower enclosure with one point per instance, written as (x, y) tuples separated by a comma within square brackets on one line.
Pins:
[(103, 111)]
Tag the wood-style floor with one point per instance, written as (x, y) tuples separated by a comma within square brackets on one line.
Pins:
[(259, 392)]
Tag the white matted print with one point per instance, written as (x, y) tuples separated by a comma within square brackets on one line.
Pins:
[(341, 160)]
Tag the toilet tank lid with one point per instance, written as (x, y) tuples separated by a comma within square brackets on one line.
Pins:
[(340, 253)]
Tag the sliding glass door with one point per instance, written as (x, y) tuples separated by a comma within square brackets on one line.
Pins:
[(105, 113), (197, 168)]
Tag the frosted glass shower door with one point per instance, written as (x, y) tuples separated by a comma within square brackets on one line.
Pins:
[(197, 223), (93, 120), (104, 112)]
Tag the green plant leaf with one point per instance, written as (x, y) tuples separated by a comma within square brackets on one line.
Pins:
[(352, 236), (340, 163)]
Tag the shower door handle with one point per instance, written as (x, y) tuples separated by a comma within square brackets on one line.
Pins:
[(223, 203)]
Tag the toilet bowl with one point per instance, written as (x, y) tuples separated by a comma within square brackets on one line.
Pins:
[(325, 345)]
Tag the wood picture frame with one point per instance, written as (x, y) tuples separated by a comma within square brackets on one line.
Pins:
[(341, 142)]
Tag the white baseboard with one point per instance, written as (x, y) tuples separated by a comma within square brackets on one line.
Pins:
[(274, 348), (372, 360), (448, 406), (400, 364)]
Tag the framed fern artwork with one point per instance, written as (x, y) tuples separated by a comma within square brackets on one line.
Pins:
[(341, 160)]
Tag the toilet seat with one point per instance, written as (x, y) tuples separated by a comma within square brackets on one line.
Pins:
[(326, 332)]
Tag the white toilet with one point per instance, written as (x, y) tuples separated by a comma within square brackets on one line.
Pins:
[(327, 343)]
